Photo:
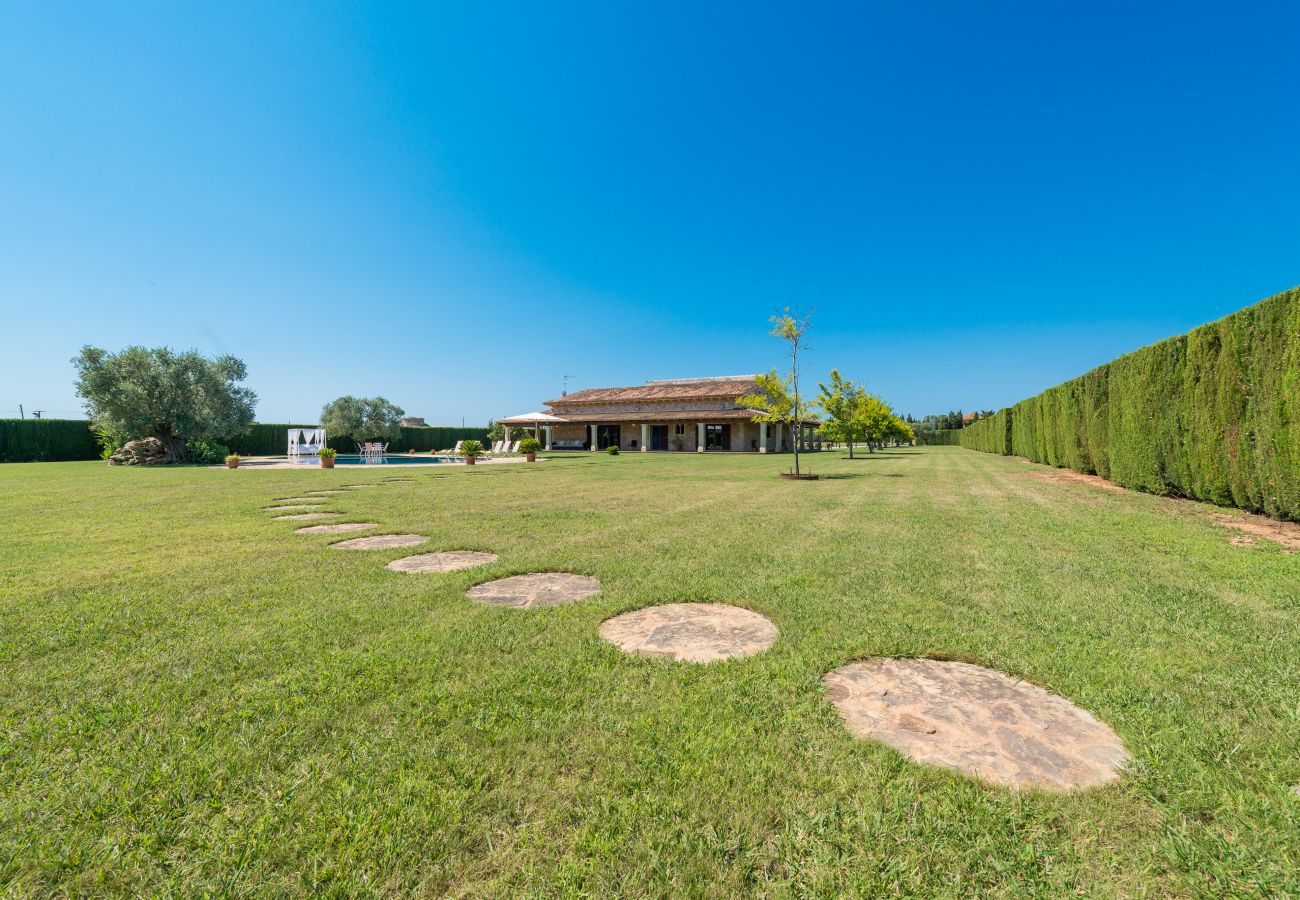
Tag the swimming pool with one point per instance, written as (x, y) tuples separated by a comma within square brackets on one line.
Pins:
[(387, 460)]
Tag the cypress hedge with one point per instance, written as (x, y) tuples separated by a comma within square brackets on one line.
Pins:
[(939, 437), (1213, 414), (991, 434), (50, 440), (46, 440)]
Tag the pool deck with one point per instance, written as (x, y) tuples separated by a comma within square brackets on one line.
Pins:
[(279, 462)]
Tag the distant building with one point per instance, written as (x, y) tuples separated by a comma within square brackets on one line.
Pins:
[(685, 415), (413, 422)]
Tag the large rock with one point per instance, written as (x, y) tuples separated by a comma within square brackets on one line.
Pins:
[(144, 452)]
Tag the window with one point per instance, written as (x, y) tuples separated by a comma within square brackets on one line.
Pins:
[(681, 429)]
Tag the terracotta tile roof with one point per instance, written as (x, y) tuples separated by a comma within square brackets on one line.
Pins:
[(577, 417), (687, 389)]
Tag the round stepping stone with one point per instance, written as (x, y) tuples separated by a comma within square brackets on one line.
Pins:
[(381, 542), (306, 517), (302, 500), (340, 528), (535, 589), (319, 493), (449, 561), (977, 721), (690, 632), (291, 507)]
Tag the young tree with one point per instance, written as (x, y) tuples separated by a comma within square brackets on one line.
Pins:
[(778, 398), (361, 418), (899, 431), (838, 402), (174, 397), (774, 400), (871, 415)]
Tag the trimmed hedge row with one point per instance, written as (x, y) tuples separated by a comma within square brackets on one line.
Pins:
[(1213, 414), (46, 440), (991, 435), (49, 440), (940, 437)]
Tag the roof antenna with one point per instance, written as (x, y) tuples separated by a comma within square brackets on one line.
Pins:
[(566, 385)]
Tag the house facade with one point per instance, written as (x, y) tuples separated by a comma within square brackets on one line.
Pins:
[(690, 415)]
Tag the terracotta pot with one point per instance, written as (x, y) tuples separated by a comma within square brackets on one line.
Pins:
[(469, 460), (232, 464), (531, 457), (327, 463)]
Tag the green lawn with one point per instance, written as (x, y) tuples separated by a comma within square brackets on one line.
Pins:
[(197, 700)]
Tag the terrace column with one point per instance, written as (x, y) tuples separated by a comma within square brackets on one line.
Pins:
[(776, 443), (762, 437), (593, 438), (548, 437), (699, 437), (645, 438)]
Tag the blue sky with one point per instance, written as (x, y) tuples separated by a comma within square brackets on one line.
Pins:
[(455, 205)]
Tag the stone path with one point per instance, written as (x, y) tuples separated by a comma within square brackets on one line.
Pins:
[(340, 528), (304, 499), (306, 517), (448, 561), (976, 721), (535, 589), (291, 507), (690, 632), (380, 542)]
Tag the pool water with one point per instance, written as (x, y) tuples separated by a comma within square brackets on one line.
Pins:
[(390, 460)]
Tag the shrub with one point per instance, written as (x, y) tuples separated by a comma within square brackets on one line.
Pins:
[(233, 458), (206, 453), (108, 441), (613, 450), (530, 445), (1213, 414)]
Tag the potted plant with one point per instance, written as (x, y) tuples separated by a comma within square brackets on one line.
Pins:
[(529, 447), (471, 450), (232, 461), (326, 456)]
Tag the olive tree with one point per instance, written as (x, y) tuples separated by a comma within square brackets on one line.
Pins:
[(174, 397), (361, 418)]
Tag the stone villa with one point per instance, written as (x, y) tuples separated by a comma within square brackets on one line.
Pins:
[(685, 415)]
